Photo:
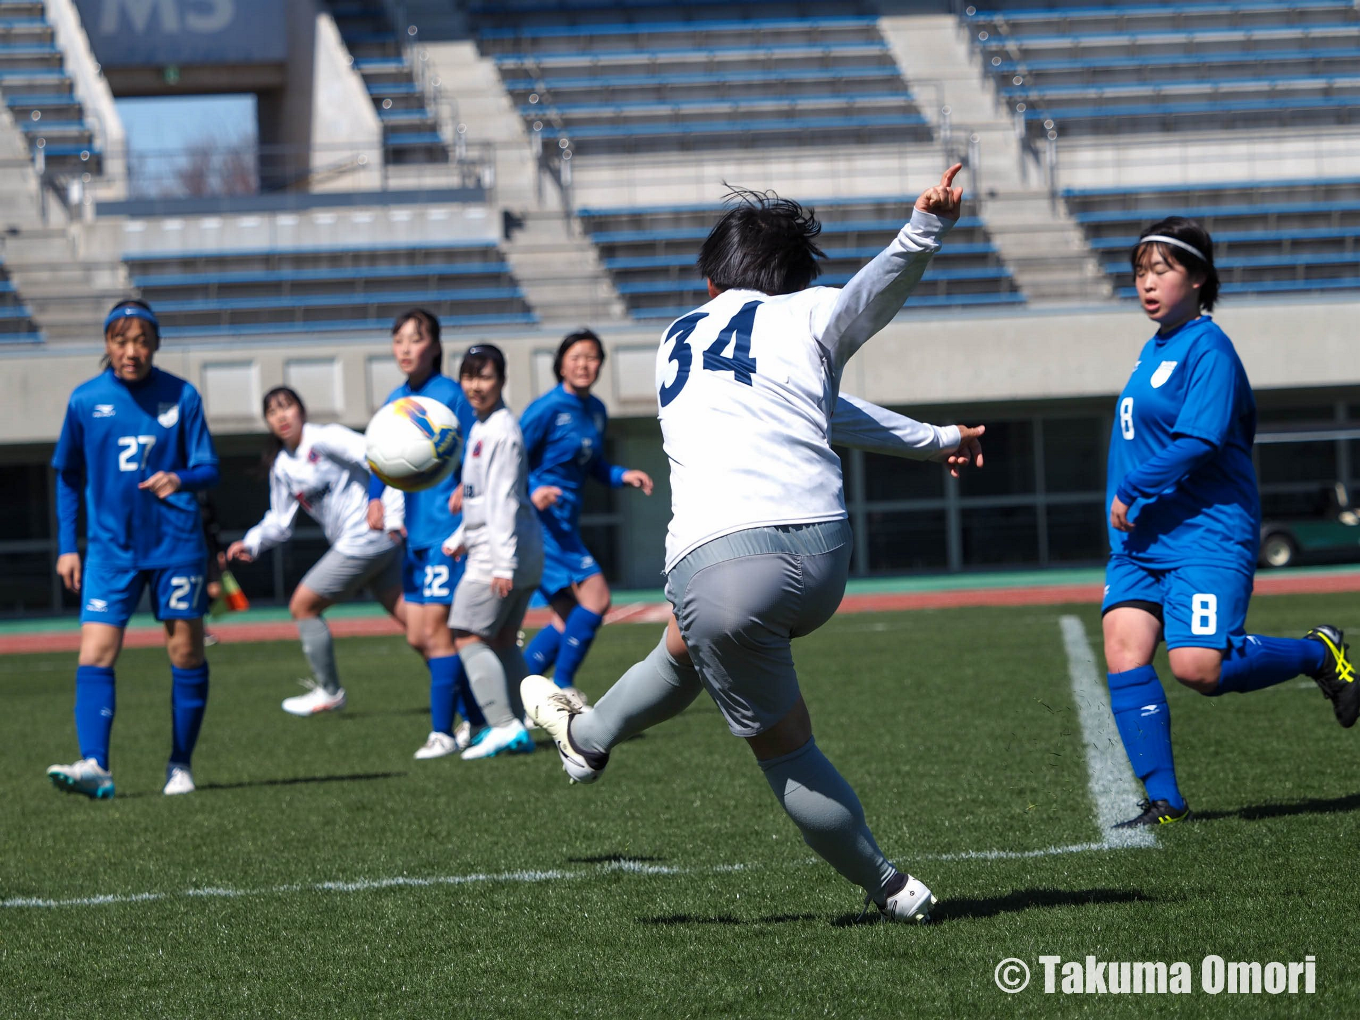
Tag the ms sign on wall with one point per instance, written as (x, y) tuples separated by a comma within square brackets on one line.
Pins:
[(139, 33)]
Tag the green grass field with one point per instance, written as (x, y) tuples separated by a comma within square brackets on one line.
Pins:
[(320, 871)]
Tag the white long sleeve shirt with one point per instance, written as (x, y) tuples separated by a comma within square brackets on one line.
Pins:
[(500, 526), (748, 388), (327, 476)]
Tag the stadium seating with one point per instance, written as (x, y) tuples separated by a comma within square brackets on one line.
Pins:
[(331, 289), (650, 252), (16, 326), (644, 76), (1291, 236), (1141, 67), (39, 93), (410, 126)]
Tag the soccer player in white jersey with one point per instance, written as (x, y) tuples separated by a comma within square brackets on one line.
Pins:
[(323, 470), (758, 549), (501, 540)]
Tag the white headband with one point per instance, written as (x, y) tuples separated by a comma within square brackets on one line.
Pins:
[(1179, 244)]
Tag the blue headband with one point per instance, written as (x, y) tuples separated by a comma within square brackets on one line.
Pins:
[(131, 312)]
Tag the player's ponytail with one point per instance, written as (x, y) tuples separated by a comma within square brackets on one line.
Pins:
[(1185, 243)]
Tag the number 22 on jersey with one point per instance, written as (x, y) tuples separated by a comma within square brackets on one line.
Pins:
[(737, 333)]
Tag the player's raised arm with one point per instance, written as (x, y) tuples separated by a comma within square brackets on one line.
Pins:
[(878, 291), (864, 426)]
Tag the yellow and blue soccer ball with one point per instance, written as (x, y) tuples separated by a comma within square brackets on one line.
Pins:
[(413, 442)]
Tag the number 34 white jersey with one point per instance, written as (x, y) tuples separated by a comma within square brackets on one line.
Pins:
[(747, 386)]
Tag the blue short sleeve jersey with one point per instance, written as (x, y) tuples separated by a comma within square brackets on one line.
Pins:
[(118, 435), (428, 521), (564, 442), (1189, 383)]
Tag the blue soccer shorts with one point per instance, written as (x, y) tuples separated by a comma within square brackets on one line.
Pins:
[(429, 576), (110, 594), (566, 560), (1202, 606)]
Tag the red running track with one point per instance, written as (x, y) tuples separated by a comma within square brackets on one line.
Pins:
[(658, 612)]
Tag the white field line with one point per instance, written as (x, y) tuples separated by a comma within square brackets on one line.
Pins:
[(1113, 787), (476, 878)]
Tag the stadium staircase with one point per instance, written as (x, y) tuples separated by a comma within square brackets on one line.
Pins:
[(40, 94), (403, 93)]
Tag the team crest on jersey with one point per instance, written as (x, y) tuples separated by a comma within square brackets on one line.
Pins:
[(167, 415), (1163, 373), (103, 411), (313, 456), (477, 448)]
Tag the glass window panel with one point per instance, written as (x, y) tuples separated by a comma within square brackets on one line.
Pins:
[(997, 535), (907, 540), (25, 582), (1076, 533), (1075, 451), (24, 512), (891, 478), (1008, 448), (1313, 461), (603, 542)]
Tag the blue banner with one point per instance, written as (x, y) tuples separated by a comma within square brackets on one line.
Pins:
[(157, 33)]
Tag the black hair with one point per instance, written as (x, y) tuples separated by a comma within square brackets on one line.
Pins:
[(118, 328), (1189, 232), (273, 444), (570, 341), (763, 243), (429, 322), (478, 356)]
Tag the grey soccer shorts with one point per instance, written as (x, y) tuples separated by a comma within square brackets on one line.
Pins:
[(339, 577), (479, 610), (741, 599)]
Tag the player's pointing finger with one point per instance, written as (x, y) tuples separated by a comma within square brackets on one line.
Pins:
[(949, 175)]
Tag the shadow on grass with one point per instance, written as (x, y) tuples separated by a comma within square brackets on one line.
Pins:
[(353, 777), (1030, 899), (726, 919), (375, 713), (1312, 806)]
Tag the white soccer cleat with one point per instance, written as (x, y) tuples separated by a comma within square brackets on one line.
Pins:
[(437, 745), (494, 740), (84, 776), (315, 700), (529, 723), (180, 780), (464, 736), (578, 694), (913, 902), (552, 708)]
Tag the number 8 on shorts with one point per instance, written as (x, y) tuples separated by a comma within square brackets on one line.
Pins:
[(1203, 614)]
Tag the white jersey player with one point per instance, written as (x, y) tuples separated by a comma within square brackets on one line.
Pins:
[(758, 550), (501, 540), (322, 469)]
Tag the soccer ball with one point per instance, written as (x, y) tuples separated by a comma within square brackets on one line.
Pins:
[(413, 442)]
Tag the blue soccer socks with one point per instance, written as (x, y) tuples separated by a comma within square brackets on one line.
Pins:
[(1259, 662), (541, 652), (1144, 722), (188, 701), (580, 631), (95, 703)]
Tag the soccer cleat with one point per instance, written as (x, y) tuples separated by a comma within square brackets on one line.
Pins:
[(552, 708), (179, 780), (1337, 679), (576, 693), (464, 736), (1155, 812), (84, 776), (437, 745), (510, 739), (317, 699), (529, 723), (913, 902)]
